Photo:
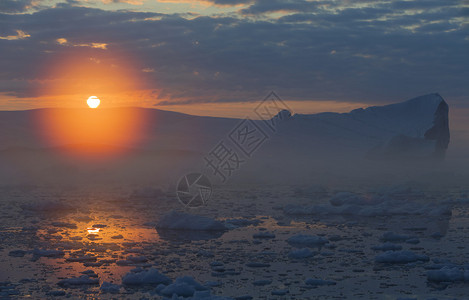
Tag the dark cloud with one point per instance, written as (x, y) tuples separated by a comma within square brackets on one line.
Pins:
[(423, 4), (355, 54), (15, 6)]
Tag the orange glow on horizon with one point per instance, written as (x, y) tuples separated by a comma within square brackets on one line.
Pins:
[(71, 75), (91, 132)]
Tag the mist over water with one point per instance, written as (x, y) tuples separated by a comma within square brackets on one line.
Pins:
[(163, 146), (304, 210)]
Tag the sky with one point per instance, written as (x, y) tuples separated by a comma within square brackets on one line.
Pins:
[(221, 56)]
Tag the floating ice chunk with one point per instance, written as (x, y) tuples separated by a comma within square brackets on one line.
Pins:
[(400, 257), (413, 241), (212, 284), (245, 297), (17, 253), (183, 286), (183, 221), (301, 253), (123, 262), (76, 281), (7, 289), (93, 264), (262, 282), (279, 292), (205, 295), (99, 226), (137, 259), (85, 258), (48, 253), (304, 240), (319, 282), (387, 247), (236, 223), (354, 205), (90, 273), (107, 287), (147, 277), (205, 253), (394, 237), (257, 265), (437, 235), (264, 235), (178, 289), (57, 293), (449, 274), (64, 225)]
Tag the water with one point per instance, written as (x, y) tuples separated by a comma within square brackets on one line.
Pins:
[(111, 232)]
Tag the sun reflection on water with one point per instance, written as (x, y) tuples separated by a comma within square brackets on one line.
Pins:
[(93, 230), (97, 239)]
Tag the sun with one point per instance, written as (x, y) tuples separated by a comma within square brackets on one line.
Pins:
[(93, 102)]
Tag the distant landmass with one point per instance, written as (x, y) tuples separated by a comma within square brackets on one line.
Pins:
[(170, 142)]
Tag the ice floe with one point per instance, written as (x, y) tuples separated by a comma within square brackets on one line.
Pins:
[(78, 281), (304, 240), (301, 253), (108, 287), (183, 221), (319, 282), (145, 277), (387, 247), (449, 274), (183, 286), (236, 223), (400, 257), (48, 253), (263, 235), (345, 203)]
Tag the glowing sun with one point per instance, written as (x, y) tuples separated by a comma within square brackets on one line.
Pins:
[(93, 102)]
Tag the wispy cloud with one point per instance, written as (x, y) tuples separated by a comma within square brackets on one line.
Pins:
[(65, 42), (20, 35), (17, 6)]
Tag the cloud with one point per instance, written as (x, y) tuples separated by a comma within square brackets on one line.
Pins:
[(65, 42), (17, 6), (269, 6), (20, 35), (342, 52)]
